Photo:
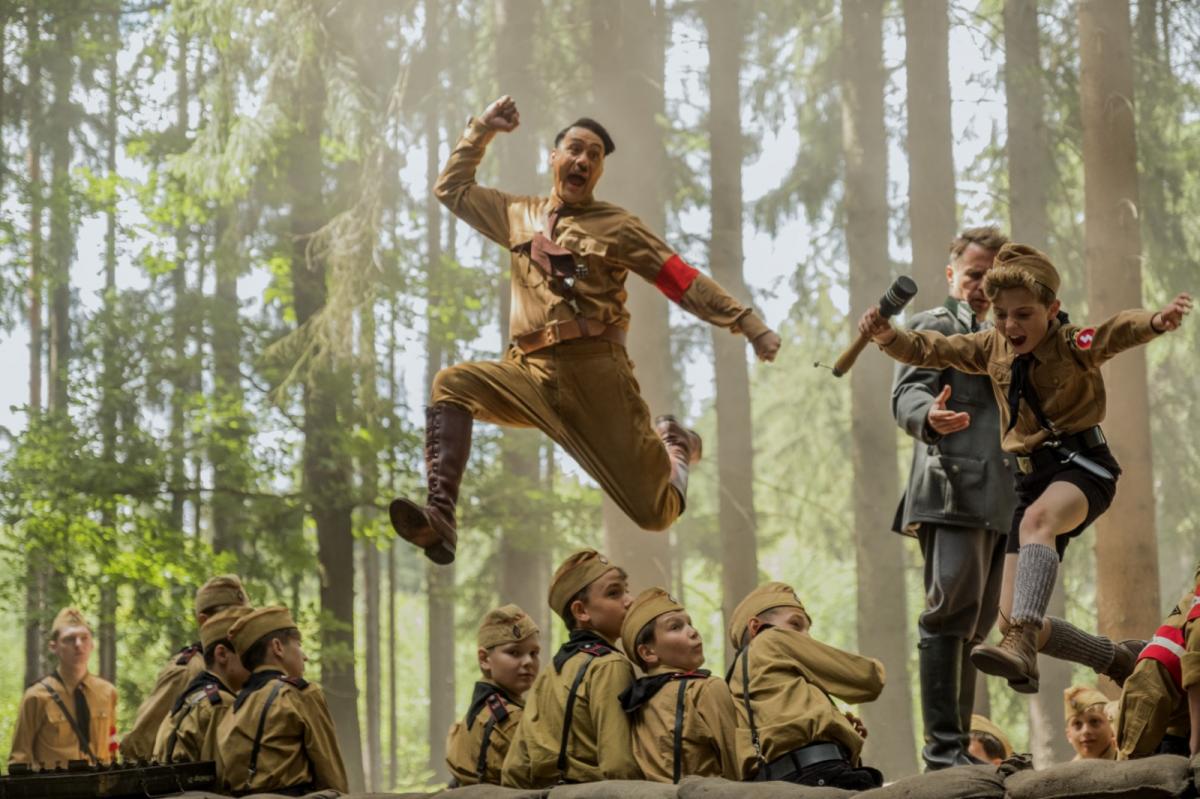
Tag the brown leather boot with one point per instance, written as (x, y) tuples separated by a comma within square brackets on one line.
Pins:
[(684, 448), (1014, 658), (447, 446)]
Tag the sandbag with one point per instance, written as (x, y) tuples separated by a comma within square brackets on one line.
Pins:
[(1159, 777), (616, 789), (493, 792), (963, 782), (717, 788)]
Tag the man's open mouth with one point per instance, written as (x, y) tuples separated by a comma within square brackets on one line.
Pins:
[(576, 181)]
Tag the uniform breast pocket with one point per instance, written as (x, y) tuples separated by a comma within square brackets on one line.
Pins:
[(589, 253), (58, 731), (1000, 373), (957, 484)]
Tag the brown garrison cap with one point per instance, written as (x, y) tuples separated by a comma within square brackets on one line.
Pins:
[(217, 628), (1079, 698), (577, 572), (649, 605), (505, 625), (224, 589), (982, 724), (760, 600), (68, 617), (1033, 262), (247, 630)]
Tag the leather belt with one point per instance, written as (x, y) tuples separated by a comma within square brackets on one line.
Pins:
[(568, 330), (797, 760), (1048, 453)]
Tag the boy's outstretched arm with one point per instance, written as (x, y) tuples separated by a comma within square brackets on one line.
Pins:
[(966, 352)]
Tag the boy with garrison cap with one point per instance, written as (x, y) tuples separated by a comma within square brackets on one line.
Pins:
[(1089, 729), (70, 714), (508, 658), (181, 669), (1046, 380), (783, 682), (989, 744), (189, 732), (683, 718), (573, 728), (1159, 711), (279, 737)]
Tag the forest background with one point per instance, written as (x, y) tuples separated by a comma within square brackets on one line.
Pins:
[(225, 287)]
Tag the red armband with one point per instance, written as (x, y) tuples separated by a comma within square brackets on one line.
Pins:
[(1167, 647), (674, 277)]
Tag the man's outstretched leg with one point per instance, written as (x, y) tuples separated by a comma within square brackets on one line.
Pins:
[(684, 448), (434, 526)]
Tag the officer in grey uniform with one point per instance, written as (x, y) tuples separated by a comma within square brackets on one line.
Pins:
[(958, 504)]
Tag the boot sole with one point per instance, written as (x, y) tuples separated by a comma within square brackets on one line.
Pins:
[(409, 520), (1018, 680)]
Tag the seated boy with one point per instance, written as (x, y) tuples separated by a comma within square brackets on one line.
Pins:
[(279, 737), (1159, 711), (1089, 730), (188, 733), (684, 722), (989, 744), (508, 658), (1047, 383), (573, 728), (783, 682)]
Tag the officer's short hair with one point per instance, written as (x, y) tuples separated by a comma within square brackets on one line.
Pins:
[(989, 237), (210, 654), (256, 655), (990, 743), (587, 123)]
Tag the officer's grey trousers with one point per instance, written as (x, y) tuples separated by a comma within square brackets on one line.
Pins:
[(963, 572)]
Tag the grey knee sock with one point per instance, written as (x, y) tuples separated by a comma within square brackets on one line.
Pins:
[(1068, 642), (1037, 569)]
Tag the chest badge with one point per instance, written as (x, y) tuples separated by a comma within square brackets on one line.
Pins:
[(1084, 338)]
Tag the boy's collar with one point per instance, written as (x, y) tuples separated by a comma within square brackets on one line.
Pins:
[(1046, 345)]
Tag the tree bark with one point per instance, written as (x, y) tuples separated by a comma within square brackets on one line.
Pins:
[(62, 227), (881, 615), (1028, 146), (180, 324), (931, 206), (1127, 595), (369, 403), (627, 73)]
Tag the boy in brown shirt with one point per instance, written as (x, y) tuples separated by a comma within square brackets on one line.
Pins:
[(1046, 379), (684, 722)]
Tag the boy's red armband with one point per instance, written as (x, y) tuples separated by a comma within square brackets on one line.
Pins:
[(674, 277)]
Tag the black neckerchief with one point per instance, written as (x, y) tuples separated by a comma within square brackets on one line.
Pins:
[(83, 711), (202, 679), (581, 641), (479, 699), (644, 688), (1021, 386), (257, 680)]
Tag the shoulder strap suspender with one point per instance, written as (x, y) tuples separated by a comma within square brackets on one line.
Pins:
[(481, 763), (262, 723), (754, 739), (678, 743), (568, 713), (80, 735)]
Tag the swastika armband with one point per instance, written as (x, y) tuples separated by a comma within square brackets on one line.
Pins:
[(1167, 647), (674, 277)]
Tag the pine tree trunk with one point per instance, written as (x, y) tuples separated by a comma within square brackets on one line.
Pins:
[(882, 618), (180, 369), (369, 404), (931, 208), (1127, 596), (62, 228)]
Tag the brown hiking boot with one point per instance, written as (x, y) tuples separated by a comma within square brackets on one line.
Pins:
[(447, 445), (1014, 658), (1125, 655), (684, 448)]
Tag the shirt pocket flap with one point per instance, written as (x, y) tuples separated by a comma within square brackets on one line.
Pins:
[(583, 245), (54, 714), (1000, 372)]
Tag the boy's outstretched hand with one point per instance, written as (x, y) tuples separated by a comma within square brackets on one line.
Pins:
[(877, 327), (1170, 317)]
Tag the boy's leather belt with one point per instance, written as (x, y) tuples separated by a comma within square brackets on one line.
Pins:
[(1052, 452), (569, 330), (797, 760)]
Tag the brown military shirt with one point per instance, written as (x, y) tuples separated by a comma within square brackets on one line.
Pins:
[(176, 674), (44, 734), (708, 745), (793, 679), (605, 239), (298, 745), (1065, 371), (599, 746), (493, 715), (189, 732)]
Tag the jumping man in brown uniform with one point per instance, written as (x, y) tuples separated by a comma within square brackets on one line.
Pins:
[(573, 728), (279, 737), (684, 722), (566, 372), (189, 733), (180, 670), (1046, 379), (508, 658), (71, 714)]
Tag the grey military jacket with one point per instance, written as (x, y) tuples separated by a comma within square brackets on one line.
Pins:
[(963, 479)]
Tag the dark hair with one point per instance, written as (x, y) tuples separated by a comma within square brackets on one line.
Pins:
[(989, 237), (991, 745), (587, 123), (256, 655), (645, 637), (210, 654), (568, 617)]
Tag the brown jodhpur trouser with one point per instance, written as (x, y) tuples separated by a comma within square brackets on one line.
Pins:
[(584, 396)]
